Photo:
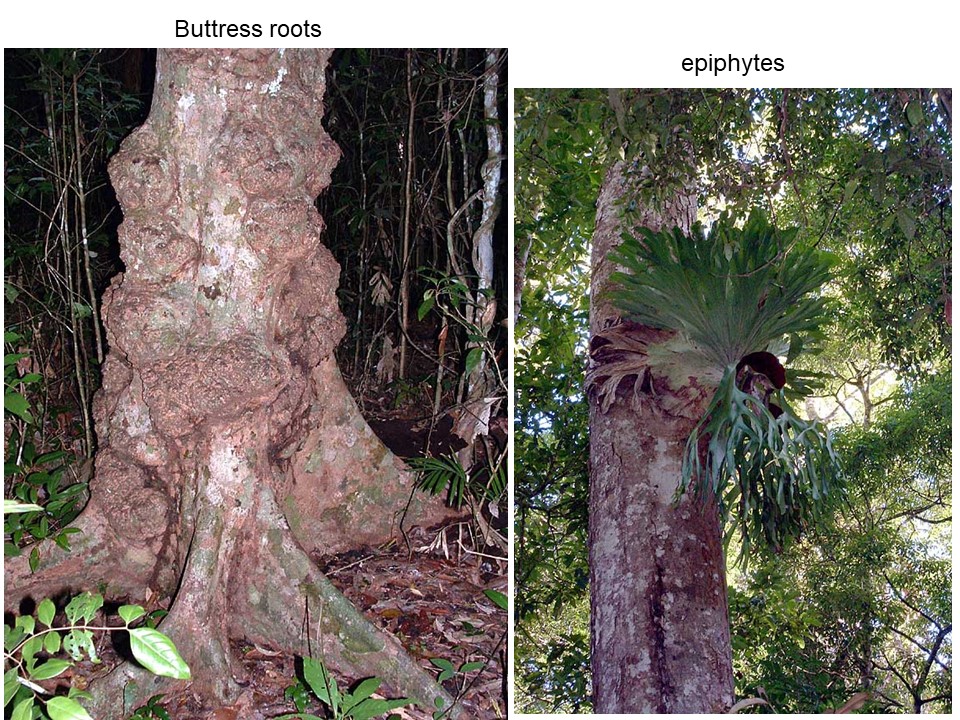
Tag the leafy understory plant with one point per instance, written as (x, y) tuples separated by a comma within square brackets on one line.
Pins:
[(35, 479), (448, 670), (716, 308), (151, 710), (358, 704), (32, 645), (445, 474)]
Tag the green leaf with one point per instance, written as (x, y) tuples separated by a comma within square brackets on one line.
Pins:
[(50, 669), (12, 358), (10, 686), (157, 653), (26, 623), (914, 113), (130, 613), (498, 598), (471, 666), (322, 684), (23, 710), (63, 708), (425, 306), (51, 456), (78, 642), (29, 651), (298, 694), (442, 663), (51, 643), (473, 359), (908, 226), (370, 708), (83, 607), (17, 404), (850, 188), (12, 506), (364, 689), (45, 612)]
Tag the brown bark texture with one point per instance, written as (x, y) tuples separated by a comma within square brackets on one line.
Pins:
[(660, 638), (230, 447)]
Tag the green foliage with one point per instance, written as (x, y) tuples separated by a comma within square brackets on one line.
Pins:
[(458, 673), (563, 138), (497, 598), (461, 308), (65, 114), (33, 642), (46, 500), (729, 293), (151, 710), (438, 475), (367, 110), (861, 606), (772, 476), (865, 176), (553, 675), (357, 704)]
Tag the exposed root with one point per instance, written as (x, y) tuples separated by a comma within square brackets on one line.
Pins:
[(247, 578), (342, 476), (288, 598), (99, 557)]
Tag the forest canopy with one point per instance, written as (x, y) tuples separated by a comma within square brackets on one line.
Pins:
[(860, 604)]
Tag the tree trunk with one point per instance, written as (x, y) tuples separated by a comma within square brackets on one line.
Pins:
[(660, 637), (229, 446), (485, 308), (520, 256)]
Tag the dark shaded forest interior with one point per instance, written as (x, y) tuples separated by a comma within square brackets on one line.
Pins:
[(416, 219)]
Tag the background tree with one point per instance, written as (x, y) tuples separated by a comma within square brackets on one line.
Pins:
[(66, 110), (805, 156), (450, 160)]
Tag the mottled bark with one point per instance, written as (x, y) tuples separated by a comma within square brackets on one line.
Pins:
[(229, 446), (485, 308), (660, 638), (520, 255)]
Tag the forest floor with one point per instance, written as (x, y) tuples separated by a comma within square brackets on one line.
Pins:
[(426, 588), (430, 597), (427, 591)]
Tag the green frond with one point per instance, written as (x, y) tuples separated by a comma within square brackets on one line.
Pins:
[(730, 291), (773, 477)]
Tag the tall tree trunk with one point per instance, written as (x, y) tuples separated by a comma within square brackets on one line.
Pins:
[(408, 155), (520, 255), (660, 637), (485, 307), (230, 447)]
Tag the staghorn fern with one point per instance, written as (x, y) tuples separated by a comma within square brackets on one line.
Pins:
[(729, 293)]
